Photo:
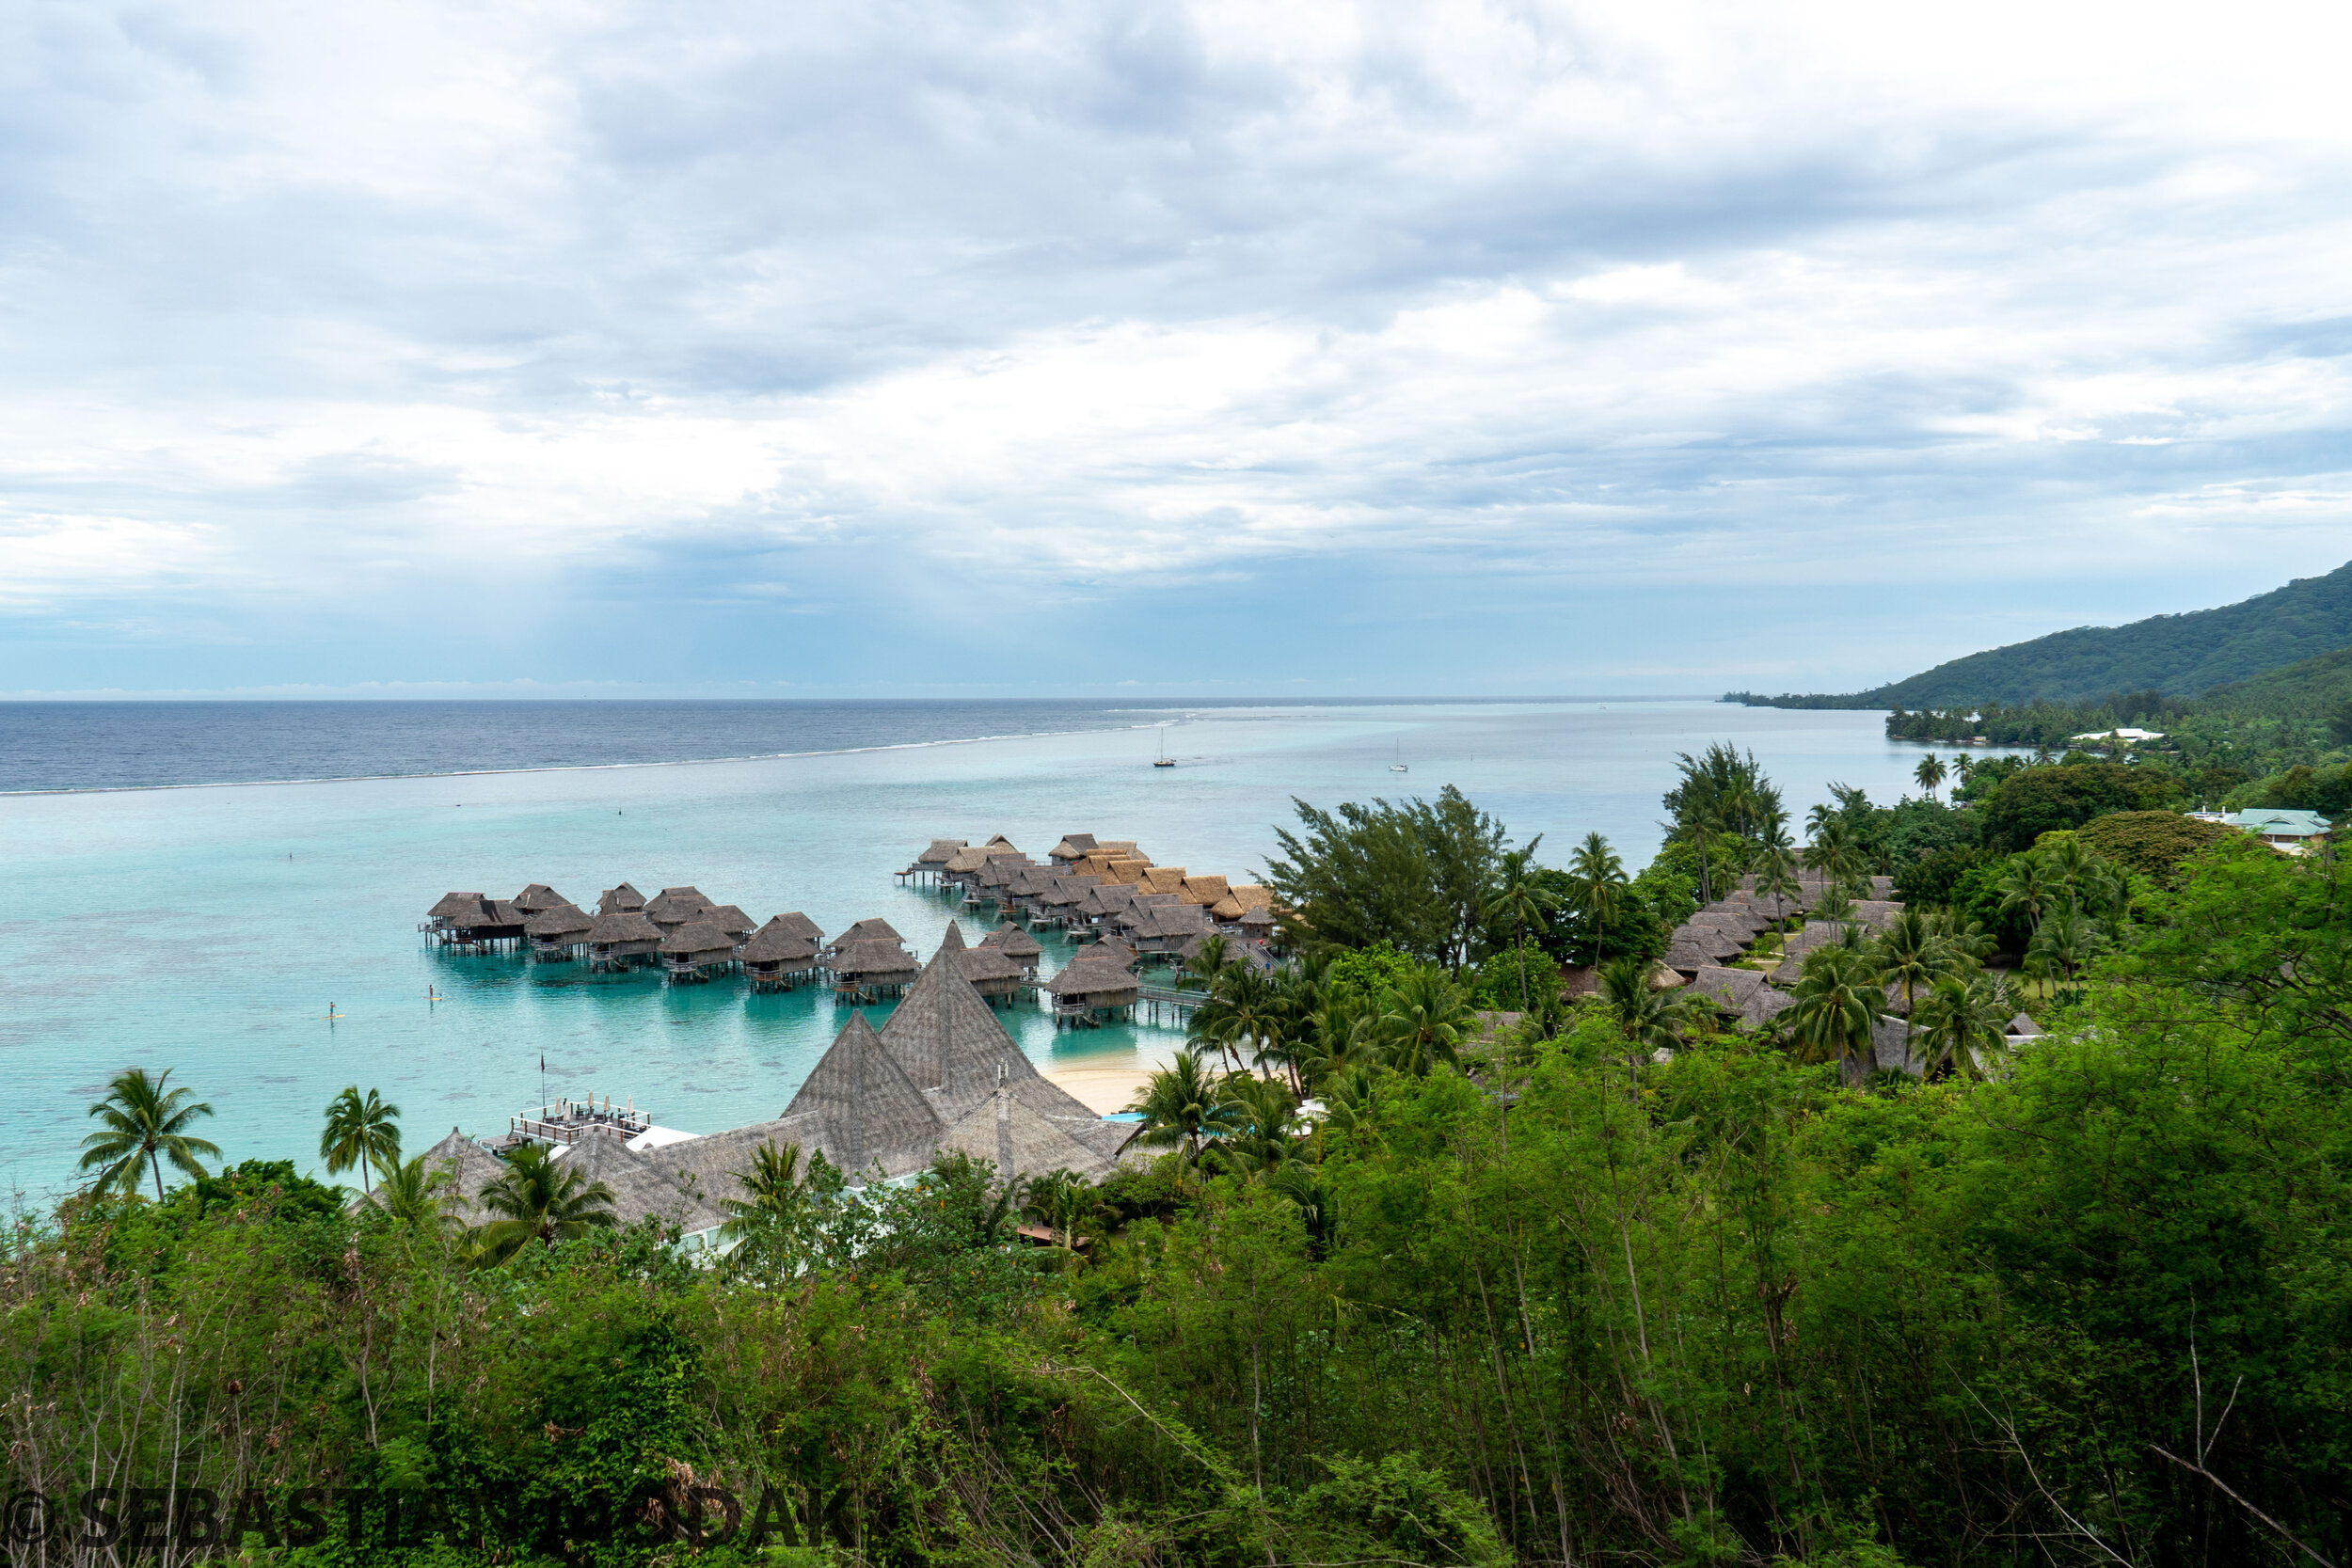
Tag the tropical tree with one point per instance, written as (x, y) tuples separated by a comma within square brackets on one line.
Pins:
[(143, 1123), (1243, 1017), (1428, 1016), (1960, 1016), (411, 1195), (1929, 773), (2028, 888), (1057, 1199), (1650, 1020), (1911, 954), (1835, 852), (1835, 1005), (362, 1130), (1776, 878), (1599, 881), (1181, 1104), (539, 1199), (1207, 965), (770, 1224), (2063, 944), (1341, 1034), (1262, 1112), (1517, 900)]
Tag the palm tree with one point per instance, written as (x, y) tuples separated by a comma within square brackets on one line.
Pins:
[(1245, 1009), (361, 1131), (1961, 1014), (1518, 899), (1962, 765), (1703, 817), (1835, 1005), (1342, 1034), (1181, 1104), (1911, 954), (1929, 773), (766, 1223), (1833, 852), (2063, 944), (143, 1123), (412, 1194), (1650, 1020), (540, 1200), (1600, 884), (1207, 964), (1428, 1016), (1057, 1199), (2028, 889), (1777, 875), (1263, 1109)]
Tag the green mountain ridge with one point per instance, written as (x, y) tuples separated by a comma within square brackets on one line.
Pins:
[(2240, 647)]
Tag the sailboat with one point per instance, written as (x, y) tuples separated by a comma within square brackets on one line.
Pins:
[(1163, 760), (1398, 766)]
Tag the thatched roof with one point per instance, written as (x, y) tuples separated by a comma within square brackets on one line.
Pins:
[(948, 1040), (999, 842), (871, 931), (640, 1188), (953, 941), (1013, 941), (798, 924), (672, 905), (630, 925), (778, 944), (1130, 872), (874, 957), (1098, 981), (1706, 940), (1742, 992), (1687, 961), (733, 921), (491, 914), (1112, 950), (698, 941), (2022, 1028), (866, 1106), (564, 919), (1737, 925), (1020, 1138), (1252, 894), (1165, 878), (1257, 915), (537, 896), (1204, 891), (1074, 846), (989, 965), (966, 860), (617, 900), (454, 904), (470, 1167), (941, 853)]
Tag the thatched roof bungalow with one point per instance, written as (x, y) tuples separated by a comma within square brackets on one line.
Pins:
[(861, 1108), (451, 906), (695, 949), (875, 929), (618, 938), (733, 921), (1091, 990), (558, 930), (675, 905), (620, 900), (1014, 942), (870, 966), (800, 926), (491, 920), (1207, 892), (642, 1190), (777, 955), (1741, 994), (1074, 846), (538, 897), (992, 971)]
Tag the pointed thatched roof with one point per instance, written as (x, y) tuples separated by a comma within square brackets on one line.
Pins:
[(733, 921), (2022, 1028), (629, 926), (1257, 917), (698, 941), (564, 919), (470, 1167), (1712, 942), (941, 853), (1097, 981), (640, 1189), (967, 861), (1204, 890), (1165, 878), (948, 1040), (620, 900), (862, 1099), (777, 943), (953, 941), (537, 896), (985, 966), (999, 842), (800, 926), (1114, 950), (1013, 941), (675, 905), (1687, 961), (1074, 846), (872, 959), (452, 905), (491, 914), (872, 931)]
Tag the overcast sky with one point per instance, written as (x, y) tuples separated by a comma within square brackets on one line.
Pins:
[(1223, 348)]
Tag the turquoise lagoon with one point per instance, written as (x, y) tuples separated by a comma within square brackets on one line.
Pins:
[(211, 929)]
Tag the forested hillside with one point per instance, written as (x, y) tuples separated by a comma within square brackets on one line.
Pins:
[(2177, 654)]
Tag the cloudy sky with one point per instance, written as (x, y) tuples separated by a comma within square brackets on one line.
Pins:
[(1226, 348)]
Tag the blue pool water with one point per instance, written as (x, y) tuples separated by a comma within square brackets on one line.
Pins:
[(209, 929)]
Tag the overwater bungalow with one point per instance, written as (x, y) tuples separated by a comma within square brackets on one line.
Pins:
[(778, 958), (622, 939), (1016, 945), (1162, 878), (1117, 950), (624, 899), (493, 923), (1160, 930), (876, 930), (695, 951), (996, 975), (734, 922), (800, 926), (1207, 892), (674, 907), (1092, 991), (927, 865), (439, 918), (1257, 923), (1074, 846), (870, 968), (538, 897), (560, 932)]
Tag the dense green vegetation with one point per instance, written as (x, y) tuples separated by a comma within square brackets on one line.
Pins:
[(2178, 655), (1615, 1284)]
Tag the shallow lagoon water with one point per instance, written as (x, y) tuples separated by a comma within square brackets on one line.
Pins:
[(210, 929)]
